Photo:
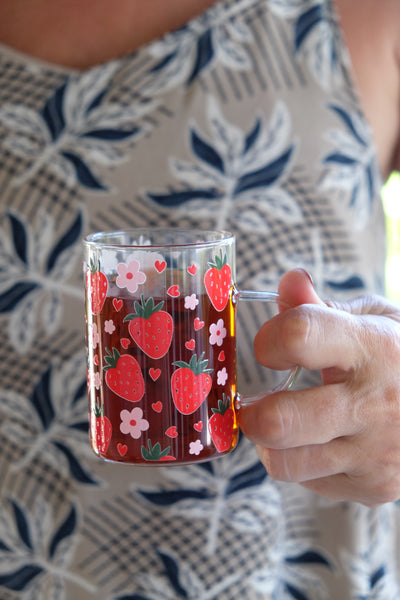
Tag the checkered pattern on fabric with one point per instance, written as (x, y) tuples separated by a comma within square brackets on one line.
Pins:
[(118, 146)]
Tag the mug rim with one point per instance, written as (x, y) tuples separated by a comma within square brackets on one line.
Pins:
[(104, 239)]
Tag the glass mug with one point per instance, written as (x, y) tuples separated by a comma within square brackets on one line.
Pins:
[(161, 344)]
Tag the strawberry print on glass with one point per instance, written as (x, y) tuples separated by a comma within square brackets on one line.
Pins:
[(150, 327), (161, 341), (217, 281), (190, 384), (97, 285)]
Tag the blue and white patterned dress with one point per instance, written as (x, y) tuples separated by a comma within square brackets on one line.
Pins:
[(245, 119)]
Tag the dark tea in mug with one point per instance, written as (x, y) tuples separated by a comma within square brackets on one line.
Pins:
[(161, 342)]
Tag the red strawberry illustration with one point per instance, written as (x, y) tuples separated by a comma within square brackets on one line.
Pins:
[(190, 384), (97, 286), (218, 281), (156, 453), (102, 429), (124, 376), (151, 328), (220, 425)]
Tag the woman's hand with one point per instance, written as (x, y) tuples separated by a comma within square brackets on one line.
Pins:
[(341, 439)]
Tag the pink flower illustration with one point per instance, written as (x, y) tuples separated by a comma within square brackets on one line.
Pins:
[(195, 447), (217, 332), (191, 302), (95, 336), (109, 326), (130, 276), (222, 376), (97, 380), (132, 422)]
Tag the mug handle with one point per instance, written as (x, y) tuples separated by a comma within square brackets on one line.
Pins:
[(287, 383)]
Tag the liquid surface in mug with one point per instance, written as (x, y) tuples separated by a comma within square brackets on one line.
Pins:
[(161, 379)]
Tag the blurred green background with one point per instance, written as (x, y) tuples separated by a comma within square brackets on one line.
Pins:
[(391, 202)]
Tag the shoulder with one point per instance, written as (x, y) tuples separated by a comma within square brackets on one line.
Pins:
[(362, 9), (365, 18), (371, 29)]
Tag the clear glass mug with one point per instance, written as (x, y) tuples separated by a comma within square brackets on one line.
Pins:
[(161, 344)]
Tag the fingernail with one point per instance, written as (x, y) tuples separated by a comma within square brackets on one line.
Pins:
[(307, 274)]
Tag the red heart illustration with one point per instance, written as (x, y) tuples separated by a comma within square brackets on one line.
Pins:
[(198, 426), (221, 356), (173, 291), (122, 449), (160, 265), (125, 342), (117, 304), (198, 324), (171, 432), (190, 344), (96, 360), (154, 373), (192, 269), (157, 406)]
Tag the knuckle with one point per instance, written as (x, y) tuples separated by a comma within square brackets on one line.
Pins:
[(278, 466), (276, 424), (389, 342), (295, 331), (390, 408), (383, 481)]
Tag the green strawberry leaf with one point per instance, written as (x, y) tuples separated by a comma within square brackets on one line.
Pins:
[(111, 359), (98, 410), (219, 261), (94, 266), (223, 405), (144, 308), (197, 365), (154, 453)]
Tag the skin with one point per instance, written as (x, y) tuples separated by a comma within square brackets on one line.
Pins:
[(371, 29), (84, 33), (342, 439)]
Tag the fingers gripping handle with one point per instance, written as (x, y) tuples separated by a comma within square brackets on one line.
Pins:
[(288, 382)]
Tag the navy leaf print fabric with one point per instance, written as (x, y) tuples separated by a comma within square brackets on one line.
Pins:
[(19, 237), (306, 23), (245, 119), (204, 56)]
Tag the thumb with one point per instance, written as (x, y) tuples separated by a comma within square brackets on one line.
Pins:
[(296, 287)]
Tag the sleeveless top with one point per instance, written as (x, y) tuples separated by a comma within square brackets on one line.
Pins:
[(245, 119)]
